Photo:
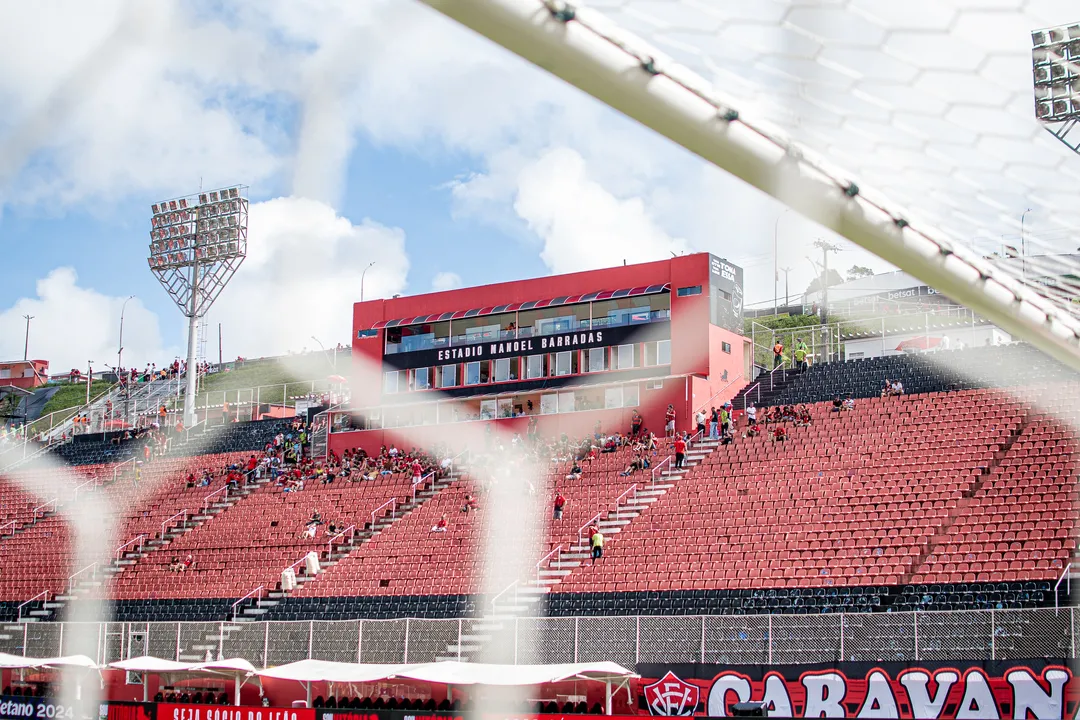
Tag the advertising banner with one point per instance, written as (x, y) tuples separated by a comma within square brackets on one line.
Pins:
[(127, 711), (1021, 689), (16, 707), (725, 295), (170, 711)]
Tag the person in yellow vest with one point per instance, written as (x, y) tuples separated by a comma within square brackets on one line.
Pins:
[(596, 540), (778, 354)]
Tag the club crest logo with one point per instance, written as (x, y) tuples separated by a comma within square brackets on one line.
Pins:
[(672, 697)]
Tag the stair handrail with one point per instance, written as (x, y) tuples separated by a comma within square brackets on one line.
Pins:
[(206, 500), (350, 531), (731, 382), (119, 467), (43, 594), (756, 387), (140, 538), (418, 484), (622, 496), (12, 524), (594, 519), (53, 502), (392, 502), (547, 558), (657, 467), (772, 374), (71, 578), (257, 591), (1066, 577), (182, 513), (512, 586)]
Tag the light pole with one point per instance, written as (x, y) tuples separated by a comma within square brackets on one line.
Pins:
[(26, 345), (89, 378), (1023, 244), (787, 296), (775, 269), (362, 279), (120, 344), (326, 354)]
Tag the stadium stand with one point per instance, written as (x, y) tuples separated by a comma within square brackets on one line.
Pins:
[(948, 497), (100, 448)]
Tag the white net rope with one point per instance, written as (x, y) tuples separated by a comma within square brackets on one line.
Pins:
[(927, 106)]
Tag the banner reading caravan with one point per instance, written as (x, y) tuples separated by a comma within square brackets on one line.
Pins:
[(1031, 689)]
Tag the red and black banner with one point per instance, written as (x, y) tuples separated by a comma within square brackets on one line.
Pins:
[(997, 690)]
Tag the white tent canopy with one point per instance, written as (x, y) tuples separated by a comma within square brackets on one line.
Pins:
[(146, 664), (449, 673), (18, 661)]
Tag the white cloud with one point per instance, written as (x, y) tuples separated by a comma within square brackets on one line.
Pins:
[(302, 275), (445, 281), (73, 324)]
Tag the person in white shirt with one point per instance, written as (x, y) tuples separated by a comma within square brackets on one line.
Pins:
[(751, 414)]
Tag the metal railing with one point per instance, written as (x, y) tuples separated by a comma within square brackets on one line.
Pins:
[(138, 539), (392, 503), (627, 639), (91, 568), (257, 593), (556, 553), (724, 389), (419, 484), (43, 596), (659, 467), (183, 514), (49, 506), (13, 525), (1066, 577), (625, 494), (223, 491), (350, 531), (511, 587)]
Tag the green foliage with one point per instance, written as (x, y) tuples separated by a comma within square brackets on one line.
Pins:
[(73, 396), (858, 271)]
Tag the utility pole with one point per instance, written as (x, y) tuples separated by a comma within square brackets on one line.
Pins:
[(26, 345), (786, 270), (825, 248)]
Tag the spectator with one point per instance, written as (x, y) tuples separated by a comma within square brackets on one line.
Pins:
[(187, 564), (596, 541), (751, 414), (779, 433), (849, 403), (725, 418), (669, 421), (714, 423), (470, 504), (680, 451), (440, 527), (560, 502), (897, 388), (753, 430), (837, 404), (635, 424), (575, 471), (699, 421)]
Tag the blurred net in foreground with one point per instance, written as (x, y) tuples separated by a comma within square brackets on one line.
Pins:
[(930, 104)]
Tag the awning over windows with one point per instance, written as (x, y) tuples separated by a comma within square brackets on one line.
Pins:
[(531, 305)]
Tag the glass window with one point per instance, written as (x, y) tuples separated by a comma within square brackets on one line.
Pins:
[(726, 347), (485, 371), (631, 311), (390, 382), (663, 352), (422, 380), (626, 357), (549, 404), (563, 363), (613, 397), (502, 370), (688, 291), (534, 366), (417, 337), (566, 402), (553, 320), (467, 331), (506, 407), (448, 376), (487, 409), (650, 354), (597, 359), (630, 396), (472, 373)]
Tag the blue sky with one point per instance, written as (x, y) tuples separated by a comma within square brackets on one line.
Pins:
[(372, 131)]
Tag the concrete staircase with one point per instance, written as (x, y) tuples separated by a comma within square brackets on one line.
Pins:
[(96, 576), (495, 629), (257, 607)]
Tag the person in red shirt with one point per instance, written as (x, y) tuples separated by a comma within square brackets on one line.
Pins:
[(669, 421), (779, 433), (417, 471), (560, 501), (680, 452), (440, 526)]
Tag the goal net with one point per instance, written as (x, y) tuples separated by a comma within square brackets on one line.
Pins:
[(907, 128)]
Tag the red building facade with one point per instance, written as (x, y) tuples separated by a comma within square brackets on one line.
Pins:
[(570, 350), (25, 374)]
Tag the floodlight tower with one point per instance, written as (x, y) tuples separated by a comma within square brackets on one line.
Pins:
[(197, 243), (1055, 63)]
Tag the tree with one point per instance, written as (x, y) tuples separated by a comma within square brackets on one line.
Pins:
[(834, 279), (858, 271)]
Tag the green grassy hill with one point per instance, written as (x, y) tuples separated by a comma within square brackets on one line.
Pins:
[(72, 396)]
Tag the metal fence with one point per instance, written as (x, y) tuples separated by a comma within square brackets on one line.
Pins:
[(627, 640)]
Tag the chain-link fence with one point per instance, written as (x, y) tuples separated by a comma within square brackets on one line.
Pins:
[(627, 640)]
